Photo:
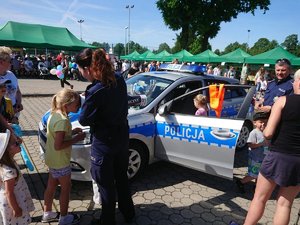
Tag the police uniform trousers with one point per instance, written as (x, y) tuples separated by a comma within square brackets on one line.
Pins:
[(109, 164)]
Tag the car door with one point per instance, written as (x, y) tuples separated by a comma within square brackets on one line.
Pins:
[(202, 143)]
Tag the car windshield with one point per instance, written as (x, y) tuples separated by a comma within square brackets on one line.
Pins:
[(147, 85)]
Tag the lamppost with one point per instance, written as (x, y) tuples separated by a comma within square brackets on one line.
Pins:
[(126, 28), (129, 7), (248, 38), (80, 22)]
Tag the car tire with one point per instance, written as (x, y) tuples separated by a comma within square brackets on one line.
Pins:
[(137, 160), (244, 134)]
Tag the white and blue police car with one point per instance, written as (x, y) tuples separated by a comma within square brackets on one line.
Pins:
[(164, 126)]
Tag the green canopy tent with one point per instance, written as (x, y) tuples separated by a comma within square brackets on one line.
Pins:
[(144, 55), (130, 56), (159, 56), (207, 56), (24, 35), (182, 56), (236, 56), (270, 56), (296, 61)]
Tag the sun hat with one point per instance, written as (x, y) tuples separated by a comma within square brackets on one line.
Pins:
[(4, 81), (4, 138)]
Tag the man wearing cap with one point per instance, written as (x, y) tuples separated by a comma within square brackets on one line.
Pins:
[(282, 85), (12, 90)]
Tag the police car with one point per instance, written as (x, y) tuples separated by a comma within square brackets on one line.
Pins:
[(164, 125)]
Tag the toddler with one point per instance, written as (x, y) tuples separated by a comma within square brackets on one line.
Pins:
[(200, 103), (15, 199), (257, 144)]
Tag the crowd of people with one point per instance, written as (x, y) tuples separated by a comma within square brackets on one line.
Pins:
[(274, 146), (39, 66)]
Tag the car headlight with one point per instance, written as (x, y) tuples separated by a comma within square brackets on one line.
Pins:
[(41, 126), (86, 140)]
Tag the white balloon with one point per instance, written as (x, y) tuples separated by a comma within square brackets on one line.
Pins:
[(53, 71)]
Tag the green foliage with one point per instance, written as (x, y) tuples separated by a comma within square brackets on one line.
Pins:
[(262, 45), (162, 46), (218, 52), (291, 44), (202, 19), (136, 47), (119, 49), (233, 46), (103, 45), (196, 45), (177, 47)]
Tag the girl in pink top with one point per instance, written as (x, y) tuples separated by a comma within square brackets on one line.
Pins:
[(200, 102)]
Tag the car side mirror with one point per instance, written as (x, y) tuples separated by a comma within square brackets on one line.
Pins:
[(165, 108), (162, 110)]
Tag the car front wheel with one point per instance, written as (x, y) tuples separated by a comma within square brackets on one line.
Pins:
[(137, 160)]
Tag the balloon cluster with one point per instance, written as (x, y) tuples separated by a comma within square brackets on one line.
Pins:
[(72, 65), (58, 72)]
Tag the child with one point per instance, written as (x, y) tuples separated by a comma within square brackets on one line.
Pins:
[(58, 155), (6, 107), (200, 103), (15, 198), (257, 144)]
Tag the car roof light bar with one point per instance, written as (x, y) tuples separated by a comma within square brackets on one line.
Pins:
[(183, 68)]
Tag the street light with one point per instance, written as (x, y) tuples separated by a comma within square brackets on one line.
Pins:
[(80, 22), (248, 38), (129, 7), (126, 28)]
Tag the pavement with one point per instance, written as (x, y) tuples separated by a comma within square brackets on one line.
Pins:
[(165, 194)]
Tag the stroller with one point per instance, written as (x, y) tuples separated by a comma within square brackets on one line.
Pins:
[(43, 70)]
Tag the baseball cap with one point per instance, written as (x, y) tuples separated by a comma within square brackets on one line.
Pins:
[(4, 138), (261, 116), (4, 81)]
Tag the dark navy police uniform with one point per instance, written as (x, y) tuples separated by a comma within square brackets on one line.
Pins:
[(105, 111), (277, 88)]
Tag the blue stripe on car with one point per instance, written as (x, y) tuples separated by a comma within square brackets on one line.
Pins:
[(198, 134)]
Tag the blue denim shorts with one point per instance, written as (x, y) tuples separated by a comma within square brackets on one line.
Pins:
[(57, 173)]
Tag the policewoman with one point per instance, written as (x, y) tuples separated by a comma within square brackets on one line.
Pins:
[(105, 110)]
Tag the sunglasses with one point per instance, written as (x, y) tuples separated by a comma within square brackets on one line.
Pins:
[(284, 60)]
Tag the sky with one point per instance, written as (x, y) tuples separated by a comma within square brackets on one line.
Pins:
[(106, 21)]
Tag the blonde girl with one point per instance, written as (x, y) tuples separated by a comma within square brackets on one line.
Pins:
[(200, 102), (58, 154)]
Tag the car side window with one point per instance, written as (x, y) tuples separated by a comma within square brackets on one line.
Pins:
[(185, 105), (234, 93)]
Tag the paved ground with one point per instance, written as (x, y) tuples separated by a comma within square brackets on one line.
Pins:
[(165, 194)]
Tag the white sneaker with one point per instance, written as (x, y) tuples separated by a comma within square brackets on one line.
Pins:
[(49, 217), (70, 219)]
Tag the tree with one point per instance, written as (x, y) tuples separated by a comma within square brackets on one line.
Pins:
[(103, 45), (119, 49), (233, 46), (217, 51), (136, 47), (262, 45), (291, 44), (163, 46), (201, 19)]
